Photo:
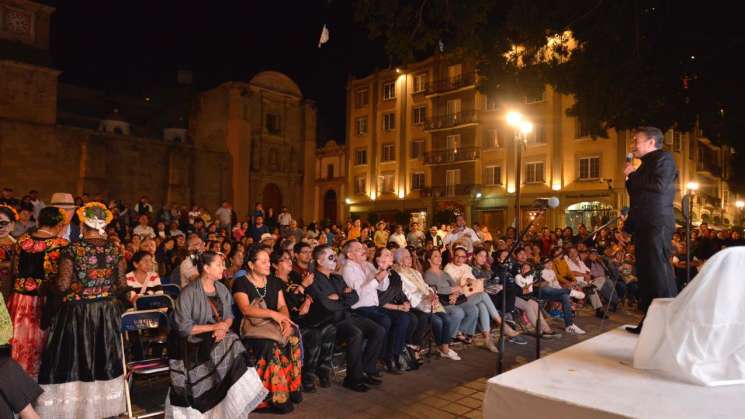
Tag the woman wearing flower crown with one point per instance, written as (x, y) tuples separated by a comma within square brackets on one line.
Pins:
[(81, 367), (35, 263), (8, 217)]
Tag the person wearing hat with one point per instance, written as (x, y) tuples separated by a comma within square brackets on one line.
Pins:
[(81, 365), (66, 202)]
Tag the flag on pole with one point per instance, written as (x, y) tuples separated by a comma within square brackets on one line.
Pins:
[(324, 36)]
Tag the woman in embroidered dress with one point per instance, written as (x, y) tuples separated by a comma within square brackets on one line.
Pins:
[(279, 366), (8, 218), (210, 372), (81, 367), (35, 264)]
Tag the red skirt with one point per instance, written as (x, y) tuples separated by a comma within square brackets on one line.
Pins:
[(28, 338)]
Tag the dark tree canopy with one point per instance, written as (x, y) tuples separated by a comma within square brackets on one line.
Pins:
[(655, 62)]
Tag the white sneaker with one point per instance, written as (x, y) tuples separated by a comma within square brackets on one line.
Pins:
[(577, 294), (450, 354), (574, 330)]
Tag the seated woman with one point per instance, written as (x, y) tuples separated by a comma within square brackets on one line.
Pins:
[(318, 336), (142, 280), (473, 289), (210, 373), (462, 315), (525, 280), (425, 306), (397, 306), (259, 296)]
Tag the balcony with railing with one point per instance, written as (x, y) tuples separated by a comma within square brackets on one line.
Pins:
[(451, 120), (450, 83), (454, 155), (445, 191)]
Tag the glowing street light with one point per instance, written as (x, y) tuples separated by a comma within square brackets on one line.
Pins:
[(514, 118), (740, 204), (525, 127), (348, 201), (692, 186)]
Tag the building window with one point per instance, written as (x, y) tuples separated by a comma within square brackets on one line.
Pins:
[(329, 171), (491, 138), (534, 172), (361, 97), (691, 147), (452, 180), (677, 141), (580, 130), (420, 113), (360, 185), (388, 153), (272, 123), (389, 121), (492, 175), (537, 136), (452, 142), (491, 102), (385, 182), (589, 168), (417, 181), (420, 82), (453, 107), (360, 156), (389, 90), (455, 74), (361, 125), (417, 149), (535, 96)]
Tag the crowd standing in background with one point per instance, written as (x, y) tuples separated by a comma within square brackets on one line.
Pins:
[(278, 295)]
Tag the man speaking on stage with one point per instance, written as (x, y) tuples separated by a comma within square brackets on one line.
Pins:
[(650, 222)]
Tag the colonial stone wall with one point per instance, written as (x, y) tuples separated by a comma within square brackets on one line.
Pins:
[(53, 158)]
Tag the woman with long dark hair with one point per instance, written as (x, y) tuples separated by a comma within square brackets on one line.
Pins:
[(35, 265), (258, 295), (210, 373)]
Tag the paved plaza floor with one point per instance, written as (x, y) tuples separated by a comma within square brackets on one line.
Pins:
[(440, 389)]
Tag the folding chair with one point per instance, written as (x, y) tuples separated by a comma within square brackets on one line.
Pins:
[(152, 302), (172, 290), (137, 321)]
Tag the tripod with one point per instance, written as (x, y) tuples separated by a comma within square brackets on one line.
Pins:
[(515, 244)]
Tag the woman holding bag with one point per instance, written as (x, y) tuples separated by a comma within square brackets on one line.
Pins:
[(267, 330)]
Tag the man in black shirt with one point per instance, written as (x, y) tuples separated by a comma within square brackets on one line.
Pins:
[(332, 301)]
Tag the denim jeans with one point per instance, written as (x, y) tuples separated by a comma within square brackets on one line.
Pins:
[(560, 294), (462, 317), (486, 308)]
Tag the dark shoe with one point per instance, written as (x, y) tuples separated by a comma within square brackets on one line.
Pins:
[(600, 313), (634, 329), (358, 387), (370, 380), (297, 396), (309, 383), (324, 380), (392, 368)]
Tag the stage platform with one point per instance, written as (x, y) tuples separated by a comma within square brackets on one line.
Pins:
[(595, 380)]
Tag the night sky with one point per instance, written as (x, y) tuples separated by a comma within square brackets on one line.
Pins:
[(131, 46)]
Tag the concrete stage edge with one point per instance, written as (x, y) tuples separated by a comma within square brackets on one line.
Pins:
[(594, 380)]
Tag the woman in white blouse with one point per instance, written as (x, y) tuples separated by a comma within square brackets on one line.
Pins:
[(425, 306), (473, 288)]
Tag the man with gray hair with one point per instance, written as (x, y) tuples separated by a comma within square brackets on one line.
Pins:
[(651, 223)]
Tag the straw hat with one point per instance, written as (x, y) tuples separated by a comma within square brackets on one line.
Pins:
[(62, 200)]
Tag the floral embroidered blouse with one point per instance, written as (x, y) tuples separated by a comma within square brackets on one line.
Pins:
[(36, 261), (91, 269)]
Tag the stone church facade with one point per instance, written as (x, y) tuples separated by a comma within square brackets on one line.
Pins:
[(241, 142)]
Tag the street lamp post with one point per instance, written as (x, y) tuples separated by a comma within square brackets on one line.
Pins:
[(522, 128), (687, 205)]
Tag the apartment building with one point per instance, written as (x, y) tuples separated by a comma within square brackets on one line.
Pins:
[(423, 139)]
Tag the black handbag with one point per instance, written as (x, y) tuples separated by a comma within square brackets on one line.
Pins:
[(445, 299)]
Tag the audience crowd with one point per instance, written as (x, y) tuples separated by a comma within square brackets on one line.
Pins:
[(267, 302)]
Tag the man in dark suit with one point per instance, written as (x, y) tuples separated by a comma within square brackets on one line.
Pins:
[(651, 223)]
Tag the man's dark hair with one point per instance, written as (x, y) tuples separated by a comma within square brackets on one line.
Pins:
[(299, 246), (652, 133)]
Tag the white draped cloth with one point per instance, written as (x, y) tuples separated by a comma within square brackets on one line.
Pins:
[(699, 336)]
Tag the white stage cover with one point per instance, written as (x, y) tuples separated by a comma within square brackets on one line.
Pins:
[(594, 379)]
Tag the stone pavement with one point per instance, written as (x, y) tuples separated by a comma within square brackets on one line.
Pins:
[(441, 388)]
